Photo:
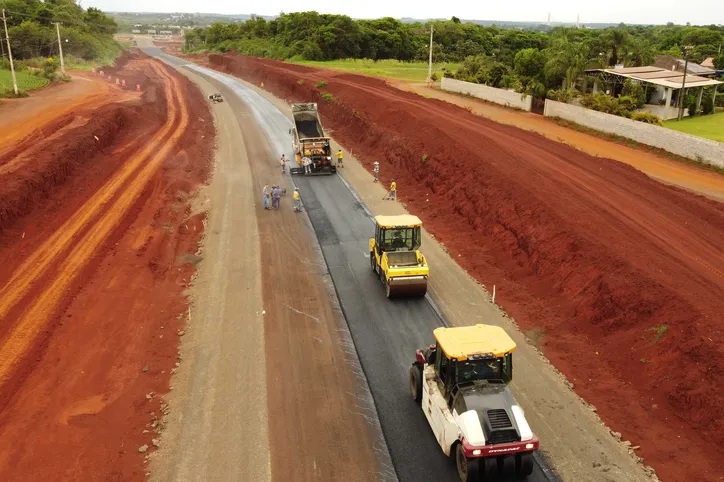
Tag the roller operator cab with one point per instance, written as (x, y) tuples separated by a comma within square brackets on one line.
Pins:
[(462, 384), (396, 258)]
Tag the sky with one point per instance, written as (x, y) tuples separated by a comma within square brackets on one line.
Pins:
[(697, 12)]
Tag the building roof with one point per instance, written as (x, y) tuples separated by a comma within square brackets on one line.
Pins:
[(404, 220), (461, 342), (659, 76), (709, 62), (672, 63)]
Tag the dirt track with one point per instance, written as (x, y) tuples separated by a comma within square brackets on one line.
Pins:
[(587, 251), (91, 280)]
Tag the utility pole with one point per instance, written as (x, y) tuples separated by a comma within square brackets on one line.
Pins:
[(429, 65), (60, 48), (10, 54), (687, 50)]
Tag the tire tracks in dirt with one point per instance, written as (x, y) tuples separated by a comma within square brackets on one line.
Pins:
[(94, 222)]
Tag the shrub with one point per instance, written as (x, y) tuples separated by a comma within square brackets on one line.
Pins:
[(707, 105), (434, 77), (646, 117), (300, 81), (327, 97), (635, 92), (49, 68), (321, 84), (562, 95), (719, 102), (692, 109)]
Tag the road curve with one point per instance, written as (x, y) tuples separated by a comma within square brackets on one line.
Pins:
[(385, 333)]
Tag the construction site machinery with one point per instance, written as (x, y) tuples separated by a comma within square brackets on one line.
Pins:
[(395, 255), (308, 140), (462, 384), (215, 98)]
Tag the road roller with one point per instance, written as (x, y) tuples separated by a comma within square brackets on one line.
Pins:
[(396, 258)]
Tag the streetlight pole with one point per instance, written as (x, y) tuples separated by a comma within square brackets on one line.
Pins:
[(687, 50), (10, 55), (60, 48), (429, 65)]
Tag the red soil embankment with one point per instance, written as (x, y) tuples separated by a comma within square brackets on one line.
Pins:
[(624, 275), (93, 269)]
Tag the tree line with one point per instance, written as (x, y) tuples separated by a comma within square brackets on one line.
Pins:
[(86, 33), (532, 61)]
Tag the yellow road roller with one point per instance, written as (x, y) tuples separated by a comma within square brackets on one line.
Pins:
[(396, 258)]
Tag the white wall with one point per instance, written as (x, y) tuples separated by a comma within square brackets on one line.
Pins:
[(491, 94), (664, 112), (692, 147)]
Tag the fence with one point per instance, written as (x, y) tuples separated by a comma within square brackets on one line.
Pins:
[(692, 147), (491, 94)]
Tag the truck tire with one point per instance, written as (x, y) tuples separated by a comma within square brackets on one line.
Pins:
[(523, 466), (373, 261), (416, 383), (468, 469)]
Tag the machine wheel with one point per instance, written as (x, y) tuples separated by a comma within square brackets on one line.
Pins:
[(388, 290), (523, 465), (416, 383), (488, 468), (468, 469), (373, 262)]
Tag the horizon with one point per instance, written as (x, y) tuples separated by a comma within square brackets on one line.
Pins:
[(698, 12)]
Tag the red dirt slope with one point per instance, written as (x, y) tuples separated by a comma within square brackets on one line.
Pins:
[(96, 247), (625, 276)]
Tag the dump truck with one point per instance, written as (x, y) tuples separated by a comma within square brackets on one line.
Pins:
[(308, 140), (395, 255), (461, 382)]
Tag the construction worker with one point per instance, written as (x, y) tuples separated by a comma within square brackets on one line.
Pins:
[(276, 195), (340, 158), (297, 201), (265, 195), (376, 171), (392, 193), (283, 163), (307, 163)]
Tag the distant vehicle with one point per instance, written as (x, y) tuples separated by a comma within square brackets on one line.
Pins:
[(216, 98), (308, 140), (395, 255), (461, 383)]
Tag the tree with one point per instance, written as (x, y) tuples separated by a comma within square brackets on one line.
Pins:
[(530, 63), (616, 39), (719, 62), (566, 62)]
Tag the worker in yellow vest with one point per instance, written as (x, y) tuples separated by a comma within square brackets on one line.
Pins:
[(392, 193), (297, 201), (340, 158)]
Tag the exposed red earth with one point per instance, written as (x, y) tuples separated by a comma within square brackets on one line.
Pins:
[(97, 243), (622, 275)]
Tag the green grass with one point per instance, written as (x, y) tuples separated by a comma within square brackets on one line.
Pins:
[(707, 126), (26, 81), (391, 69)]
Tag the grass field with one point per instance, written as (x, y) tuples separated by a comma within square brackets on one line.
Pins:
[(391, 69), (707, 126), (26, 81)]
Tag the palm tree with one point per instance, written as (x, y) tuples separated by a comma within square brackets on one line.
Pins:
[(616, 38), (567, 61)]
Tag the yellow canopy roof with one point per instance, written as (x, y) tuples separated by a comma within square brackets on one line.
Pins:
[(404, 220), (462, 341)]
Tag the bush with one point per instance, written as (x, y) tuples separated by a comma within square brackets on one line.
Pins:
[(49, 68), (719, 102), (635, 92), (692, 109), (562, 95), (707, 105), (434, 77), (321, 84), (327, 97), (646, 117)]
